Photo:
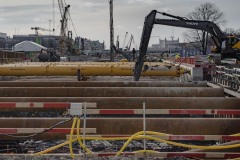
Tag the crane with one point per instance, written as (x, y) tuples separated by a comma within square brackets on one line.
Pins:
[(131, 40), (124, 41), (38, 40), (117, 42), (64, 9), (39, 28)]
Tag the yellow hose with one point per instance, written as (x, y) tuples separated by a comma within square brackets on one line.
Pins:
[(238, 134), (137, 135), (193, 146), (53, 148), (134, 136), (79, 137), (71, 137)]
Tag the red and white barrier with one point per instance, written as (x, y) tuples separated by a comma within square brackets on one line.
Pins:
[(46, 105), (39, 130), (163, 111)]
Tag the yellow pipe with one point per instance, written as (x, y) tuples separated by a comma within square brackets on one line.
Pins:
[(100, 69)]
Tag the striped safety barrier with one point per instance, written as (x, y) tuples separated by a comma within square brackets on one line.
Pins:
[(47, 105), (163, 111), (43, 105), (39, 130), (66, 105)]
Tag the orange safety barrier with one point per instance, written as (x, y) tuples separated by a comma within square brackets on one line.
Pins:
[(188, 60)]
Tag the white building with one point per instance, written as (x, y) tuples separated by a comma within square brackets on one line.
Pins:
[(27, 46), (166, 45)]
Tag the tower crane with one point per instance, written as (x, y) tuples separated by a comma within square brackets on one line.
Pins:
[(38, 40), (41, 29)]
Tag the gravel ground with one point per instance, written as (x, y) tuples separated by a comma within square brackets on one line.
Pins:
[(69, 158)]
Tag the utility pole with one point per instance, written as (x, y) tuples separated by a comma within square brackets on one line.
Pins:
[(111, 30)]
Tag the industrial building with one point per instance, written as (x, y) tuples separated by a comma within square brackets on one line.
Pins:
[(174, 46)]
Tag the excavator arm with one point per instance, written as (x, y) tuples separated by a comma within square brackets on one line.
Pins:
[(210, 27), (125, 55), (217, 35), (147, 30)]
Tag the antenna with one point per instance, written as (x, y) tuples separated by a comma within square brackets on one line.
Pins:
[(172, 33), (53, 16), (49, 26)]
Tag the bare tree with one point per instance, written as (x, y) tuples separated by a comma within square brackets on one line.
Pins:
[(207, 12)]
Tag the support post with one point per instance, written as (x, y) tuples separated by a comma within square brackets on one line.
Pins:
[(78, 75), (111, 30)]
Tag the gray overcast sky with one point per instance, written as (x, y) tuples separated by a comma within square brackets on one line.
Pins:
[(91, 17)]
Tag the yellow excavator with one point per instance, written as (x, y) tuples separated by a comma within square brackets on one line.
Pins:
[(226, 46)]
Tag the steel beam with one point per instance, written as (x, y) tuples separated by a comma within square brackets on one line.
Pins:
[(104, 84), (129, 126), (111, 92), (137, 102)]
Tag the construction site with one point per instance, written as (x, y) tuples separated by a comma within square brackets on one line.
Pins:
[(125, 103)]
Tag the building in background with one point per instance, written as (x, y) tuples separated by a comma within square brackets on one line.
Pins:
[(174, 46), (90, 46), (171, 46), (51, 41), (3, 37)]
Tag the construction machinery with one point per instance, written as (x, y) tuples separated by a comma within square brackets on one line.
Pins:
[(64, 9), (124, 40), (41, 29), (126, 51), (131, 40), (226, 47), (126, 55), (37, 33), (48, 56), (117, 42)]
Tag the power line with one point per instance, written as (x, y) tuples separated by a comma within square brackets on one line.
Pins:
[(36, 134)]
